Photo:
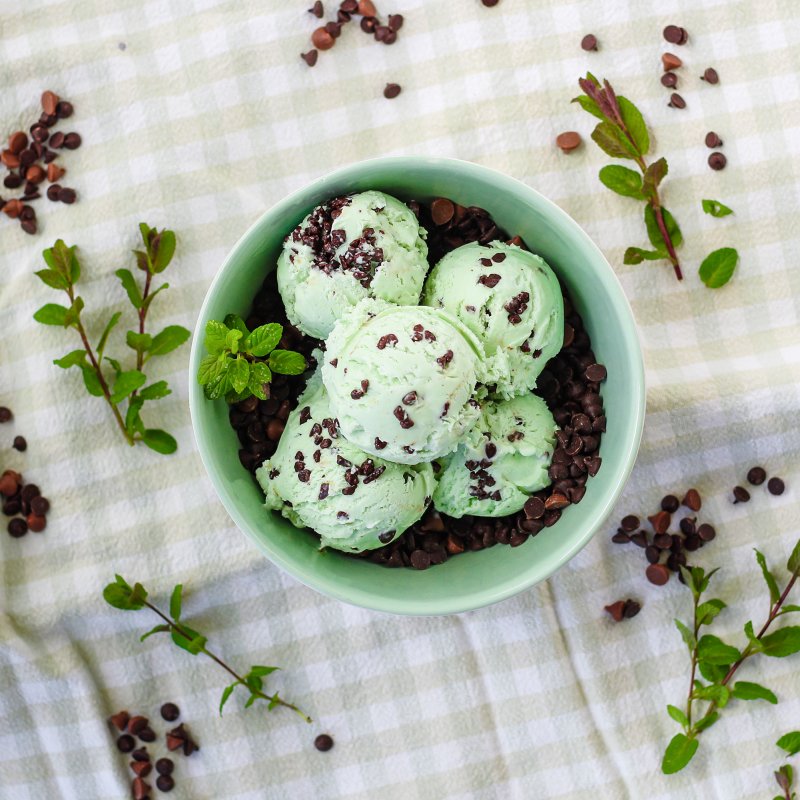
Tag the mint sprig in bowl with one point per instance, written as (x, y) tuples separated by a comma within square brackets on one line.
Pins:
[(473, 579)]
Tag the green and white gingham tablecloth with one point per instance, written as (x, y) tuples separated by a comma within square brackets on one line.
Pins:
[(206, 118)]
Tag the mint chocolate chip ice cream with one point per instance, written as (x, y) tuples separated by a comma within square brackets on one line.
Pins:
[(501, 461), (401, 380), (362, 245), (318, 479), (511, 300)]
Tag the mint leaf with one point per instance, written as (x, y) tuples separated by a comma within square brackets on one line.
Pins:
[(235, 322), (150, 297), (211, 367), (175, 602), (610, 139), (589, 105), (635, 255), (90, 380), (130, 286), (788, 609), (679, 753), (63, 259), (124, 597), (287, 362), (706, 722), (715, 692), (782, 643), (115, 364), (157, 629), (790, 742), (263, 339), (126, 383), (755, 643), (716, 209), (262, 672), (260, 376), (239, 373), (53, 278), (221, 386), (216, 333), (140, 342), (713, 672), (678, 716), (774, 591), (226, 693), (686, 635), (172, 337), (164, 250), (72, 359), (133, 423), (232, 338), (634, 122), (708, 610), (713, 650), (653, 176), (654, 232), (101, 347), (193, 643), (160, 441), (717, 267), (622, 180), (155, 391), (73, 312), (793, 564), (744, 690), (52, 314)]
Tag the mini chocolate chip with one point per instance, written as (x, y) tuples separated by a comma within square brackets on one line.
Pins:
[(165, 766), (717, 161), (125, 743), (676, 101), (693, 500), (589, 42), (20, 444), (669, 79), (776, 486), (706, 532), (712, 140), (392, 90), (170, 712), (710, 76), (740, 494), (657, 574), (323, 742), (756, 476), (629, 523)]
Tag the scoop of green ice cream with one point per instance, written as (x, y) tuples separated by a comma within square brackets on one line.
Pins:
[(361, 245), (501, 462), (320, 480), (511, 300), (401, 380)]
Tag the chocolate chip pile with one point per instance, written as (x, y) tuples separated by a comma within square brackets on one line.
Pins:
[(569, 385), (138, 727), (665, 551), (30, 162)]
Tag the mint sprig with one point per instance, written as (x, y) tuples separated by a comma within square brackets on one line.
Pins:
[(622, 133), (240, 362), (120, 594), (784, 775), (718, 662), (127, 386)]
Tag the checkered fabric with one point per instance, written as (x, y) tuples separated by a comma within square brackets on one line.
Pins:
[(199, 114)]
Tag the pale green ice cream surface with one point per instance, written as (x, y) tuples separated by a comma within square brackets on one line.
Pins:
[(511, 300), (501, 461), (401, 380), (363, 245), (318, 479)]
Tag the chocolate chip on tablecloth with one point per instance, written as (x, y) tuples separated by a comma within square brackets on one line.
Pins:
[(391, 90), (675, 34), (717, 161), (323, 742), (170, 712), (589, 43), (675, 100), (756, 476), (670, 61), (165, 766), (710, 76), (712, 140), (776, 486), (568, 141), (740, 494), (669, 79)]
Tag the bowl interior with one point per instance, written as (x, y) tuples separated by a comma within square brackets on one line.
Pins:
[(472, 579)]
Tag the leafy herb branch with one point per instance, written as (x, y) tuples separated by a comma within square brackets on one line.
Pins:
[(241, 362), (719, 662), (127, 386), (784, 776), (622, 133), (122, 595)]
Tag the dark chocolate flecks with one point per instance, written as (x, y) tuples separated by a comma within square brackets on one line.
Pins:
[(385, 341), (491, 280), (410, 398), (379, 443), (402, 417), (444, 360)]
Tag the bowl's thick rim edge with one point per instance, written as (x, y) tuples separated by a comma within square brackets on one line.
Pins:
[(486, 596)]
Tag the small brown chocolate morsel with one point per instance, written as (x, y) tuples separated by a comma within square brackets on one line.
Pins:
[(670, 62), (323, 742), (568, 141), (589, 43)]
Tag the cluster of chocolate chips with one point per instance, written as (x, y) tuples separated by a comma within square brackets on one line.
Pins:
[(138, 727), (30, 161)]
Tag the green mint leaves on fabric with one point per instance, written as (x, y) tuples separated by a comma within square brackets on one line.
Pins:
[(717, 662), (121, 595), (240, 362), (124, 390)]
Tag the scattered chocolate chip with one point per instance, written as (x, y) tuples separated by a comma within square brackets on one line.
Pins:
[(620, 537), (17, 527), (323, 742), (442, 211), (616, 610), (692, 500), (317, 9), (670, 61), (632, 608), (756, 476), (595, 373), (141, 789), (490, 3), (669, 79), (717, 161), (120, 720), (165, 783), (165, 766), (568, 141), (391, 90), (710, 76), (657, 574), (674, 34), (675, 100), (395, 22), (420, 559), (740, 494), (125, 743), (36, 523), (170, 712), (776, 486), (322, 39), (629, 523), (20, 444), (49, 102), (670, 503), (310, 57), (72, 141), (140, 754), (141, 768), (589, 43), (712, 140), (706, 532)]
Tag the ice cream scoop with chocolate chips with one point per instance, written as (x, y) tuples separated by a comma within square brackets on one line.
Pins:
[(318, 479), (401, 380), (511, 300), (501, 461), (361, 245)]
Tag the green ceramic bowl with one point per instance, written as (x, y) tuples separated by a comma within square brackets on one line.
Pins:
[(475, 579)]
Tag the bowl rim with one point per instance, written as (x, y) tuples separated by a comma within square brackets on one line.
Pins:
[(483, 596)]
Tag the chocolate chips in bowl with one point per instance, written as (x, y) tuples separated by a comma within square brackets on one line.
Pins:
[(569, 385)]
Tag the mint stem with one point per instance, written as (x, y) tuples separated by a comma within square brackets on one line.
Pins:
[(270, 698), (690, 699)]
